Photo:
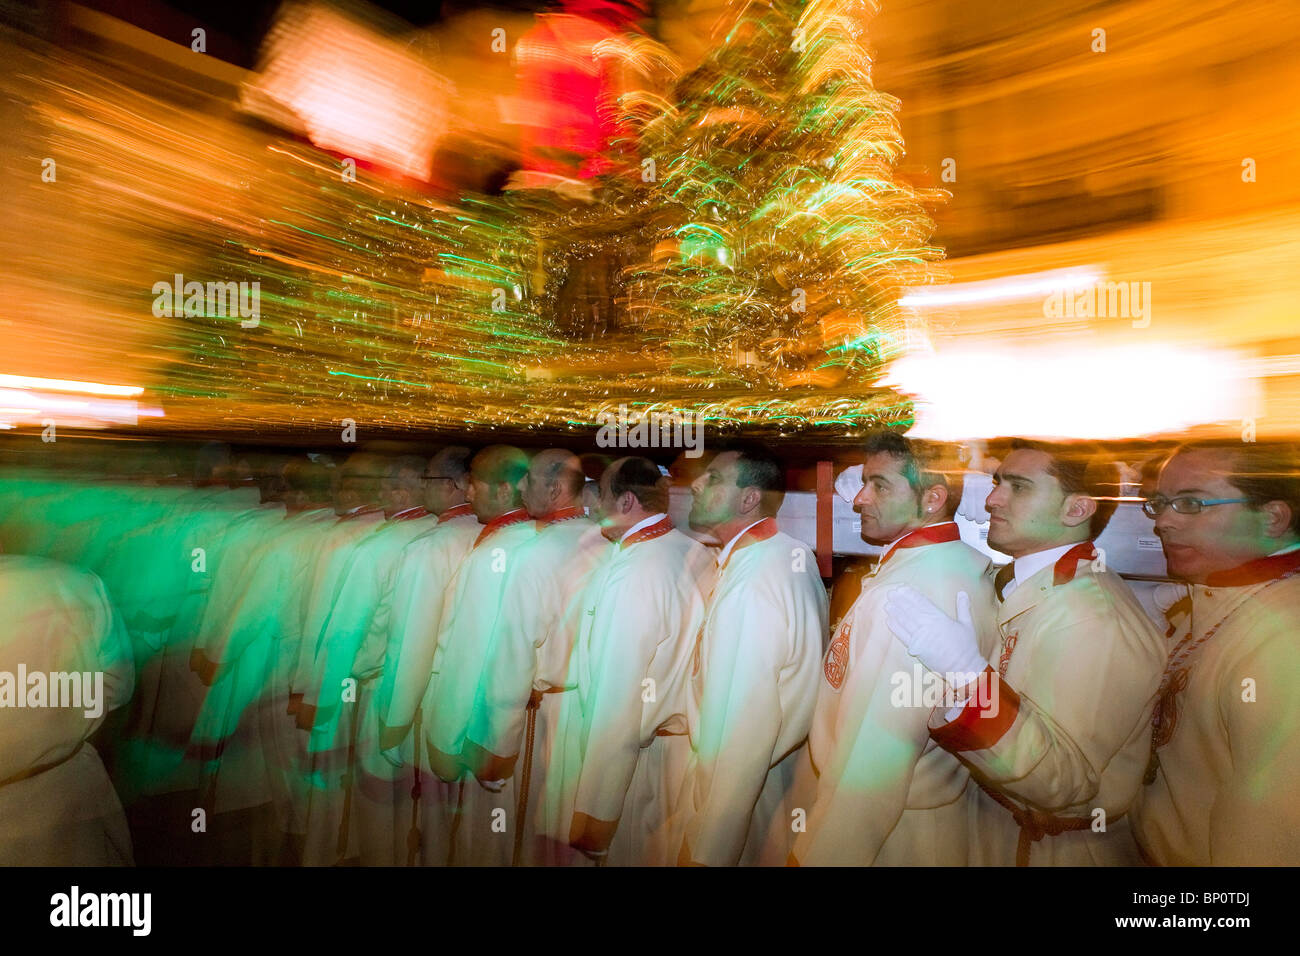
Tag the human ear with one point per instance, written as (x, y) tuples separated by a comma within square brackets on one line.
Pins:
[(1077, 510), (1277, 518), (934, 499)]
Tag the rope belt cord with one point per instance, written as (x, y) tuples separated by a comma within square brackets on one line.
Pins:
[(525, 778), (413, 836), (348, 777), (1177, 674), (1034, 825)]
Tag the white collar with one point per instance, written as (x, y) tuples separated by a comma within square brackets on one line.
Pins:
[(730, 545), (1287, 550), (643, 523), (1030, 564)]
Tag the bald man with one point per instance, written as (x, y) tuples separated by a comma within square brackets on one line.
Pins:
[(482, 824), (526, 666)]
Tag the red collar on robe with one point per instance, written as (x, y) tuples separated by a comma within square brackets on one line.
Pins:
[(1255, 572), (410, 514), (560, 514), (656, 530), (501, 521), (1068, 564), (931, 534), (759, 532), (366, 510), (462, 510)]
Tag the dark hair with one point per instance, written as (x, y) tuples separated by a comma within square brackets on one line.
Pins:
[(456, 460), (756, 467), (641, 477), (565, 472), (925, 464), (1081, 469), (1261, 471)]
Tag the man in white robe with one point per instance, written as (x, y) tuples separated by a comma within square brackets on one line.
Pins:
[(359, 514), (513, 722), (622, 750), (65, 651), (394, 785), (754, 684), (1224, 777), (482, 828), (886, 793), (1059, 742)]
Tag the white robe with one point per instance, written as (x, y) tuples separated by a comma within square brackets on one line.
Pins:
[(57, 805), (388, 818), (886, 793), (1227, 788), (641, 614), (752, 702), (530, 652), (333, 699), (483, 826), (1072, 731)]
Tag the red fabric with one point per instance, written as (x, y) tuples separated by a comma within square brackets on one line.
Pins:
[(759, 532), (559, 71), (974, 729), (658, 529), (501, 521), (456, 511), (930, 534), (1255, 572), (1068, 565), (410, 514)]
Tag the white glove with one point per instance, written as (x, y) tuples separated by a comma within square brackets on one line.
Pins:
[(393, 756), (493, 786), (849, 483), (946, 647)]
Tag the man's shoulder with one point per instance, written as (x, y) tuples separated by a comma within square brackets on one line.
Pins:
[(943, 563)]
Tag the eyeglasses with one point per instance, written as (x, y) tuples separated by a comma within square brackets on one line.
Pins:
[(1155, 507)]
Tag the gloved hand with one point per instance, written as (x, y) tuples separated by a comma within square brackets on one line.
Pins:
[(948, 648), (393, 756)]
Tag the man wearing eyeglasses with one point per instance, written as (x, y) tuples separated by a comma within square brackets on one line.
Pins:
[(1224, 773), (1059, 748)]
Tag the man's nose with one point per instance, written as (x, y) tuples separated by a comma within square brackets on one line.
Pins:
[(994, 500), (862, 498)]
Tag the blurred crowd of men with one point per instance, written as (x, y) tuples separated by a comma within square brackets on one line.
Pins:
[(501, 657)]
